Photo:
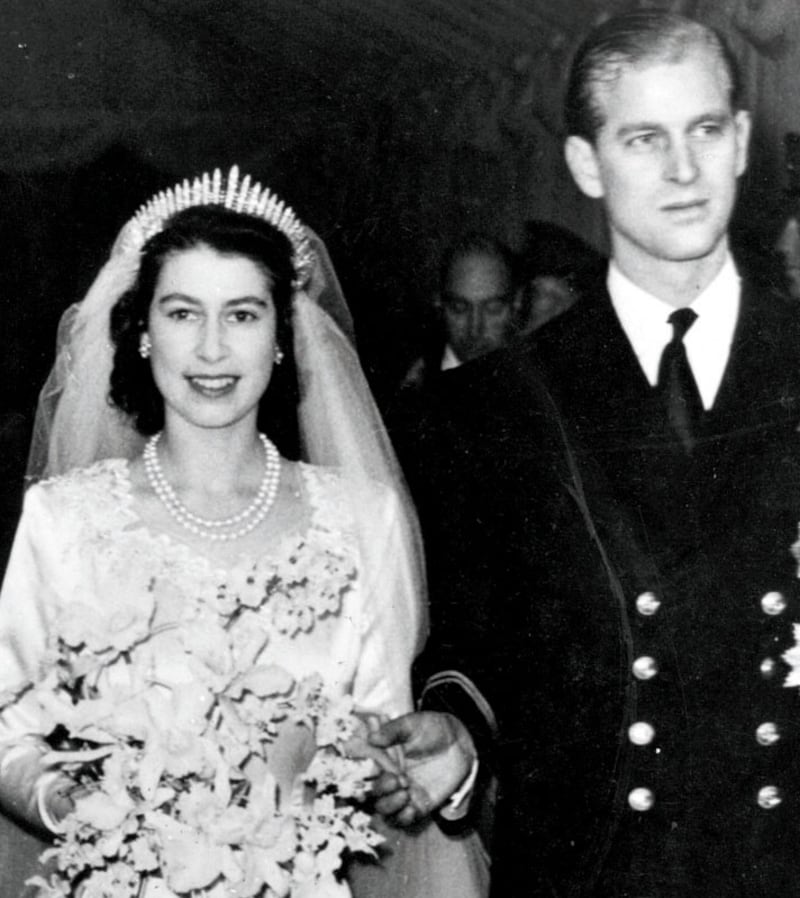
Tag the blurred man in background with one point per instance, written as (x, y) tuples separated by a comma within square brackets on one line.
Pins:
[(478, 302)]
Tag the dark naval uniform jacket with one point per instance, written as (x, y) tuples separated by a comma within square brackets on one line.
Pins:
[(620, 611)]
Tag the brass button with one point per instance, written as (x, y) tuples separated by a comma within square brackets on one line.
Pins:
[(767, 668), (645, 668), (641, 799), (773, 603), (767, 734), (647, 604), (641, 733), (769, 797)]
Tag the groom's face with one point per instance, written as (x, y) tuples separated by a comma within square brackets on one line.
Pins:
[(666, 159)]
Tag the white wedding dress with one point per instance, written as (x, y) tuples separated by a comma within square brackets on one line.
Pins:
[(81, 542)]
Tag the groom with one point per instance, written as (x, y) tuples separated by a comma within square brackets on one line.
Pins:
[(609, 513)]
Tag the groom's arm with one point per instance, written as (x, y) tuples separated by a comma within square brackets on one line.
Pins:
[(451, 738)]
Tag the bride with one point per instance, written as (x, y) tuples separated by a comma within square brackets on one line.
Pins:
[(220, 504)]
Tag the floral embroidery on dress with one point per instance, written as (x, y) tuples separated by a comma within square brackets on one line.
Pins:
[(301, 580), (297, 590)]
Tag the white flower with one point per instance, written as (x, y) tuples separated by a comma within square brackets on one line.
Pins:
[(191, 860), (102, 810), (123, 621), (328, 888), (265, 681)]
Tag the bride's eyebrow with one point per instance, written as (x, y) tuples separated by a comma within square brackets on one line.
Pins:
[(192, 300), (248, 300), (176, 297)]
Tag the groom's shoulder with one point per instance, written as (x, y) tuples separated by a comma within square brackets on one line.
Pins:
[(520, 376), (489, 386)]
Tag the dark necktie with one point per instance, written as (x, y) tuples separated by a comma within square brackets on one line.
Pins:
[(677, 384)]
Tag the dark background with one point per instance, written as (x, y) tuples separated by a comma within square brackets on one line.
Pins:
[(390, 125)]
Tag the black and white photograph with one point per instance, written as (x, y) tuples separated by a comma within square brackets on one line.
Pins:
[(400, 449)]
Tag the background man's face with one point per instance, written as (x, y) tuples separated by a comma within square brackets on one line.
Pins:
[(478, 307), (667, 158)]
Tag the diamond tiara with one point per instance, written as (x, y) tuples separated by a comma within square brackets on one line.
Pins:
[(239, 195)]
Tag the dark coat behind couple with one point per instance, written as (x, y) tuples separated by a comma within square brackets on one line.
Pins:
[(624, 606)]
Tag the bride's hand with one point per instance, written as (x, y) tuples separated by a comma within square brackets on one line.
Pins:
[(439, 753), (359, 746)]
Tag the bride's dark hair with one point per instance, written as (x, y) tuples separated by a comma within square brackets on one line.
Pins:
[(133, 389)]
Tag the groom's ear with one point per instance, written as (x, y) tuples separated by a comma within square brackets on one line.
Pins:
[(581, 158)]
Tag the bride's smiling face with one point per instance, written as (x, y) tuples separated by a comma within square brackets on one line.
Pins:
[(212, 329)]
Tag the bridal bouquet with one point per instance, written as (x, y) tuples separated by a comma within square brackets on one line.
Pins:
[(232, 780)]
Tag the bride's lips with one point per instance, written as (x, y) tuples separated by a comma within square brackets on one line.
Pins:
[(212, 387)]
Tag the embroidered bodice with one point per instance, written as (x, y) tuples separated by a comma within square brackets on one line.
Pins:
[(324, 600)]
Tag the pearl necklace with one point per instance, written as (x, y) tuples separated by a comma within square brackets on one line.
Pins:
[(216, 529)]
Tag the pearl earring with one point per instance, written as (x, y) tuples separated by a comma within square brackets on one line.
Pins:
[(145, 346), (278, 355)]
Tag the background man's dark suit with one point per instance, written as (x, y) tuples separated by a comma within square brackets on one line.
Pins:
[(552, 499)]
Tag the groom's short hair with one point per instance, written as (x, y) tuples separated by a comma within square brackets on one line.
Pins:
[(627, 41)]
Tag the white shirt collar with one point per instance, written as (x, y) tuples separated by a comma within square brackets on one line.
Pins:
[(644, 318)]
